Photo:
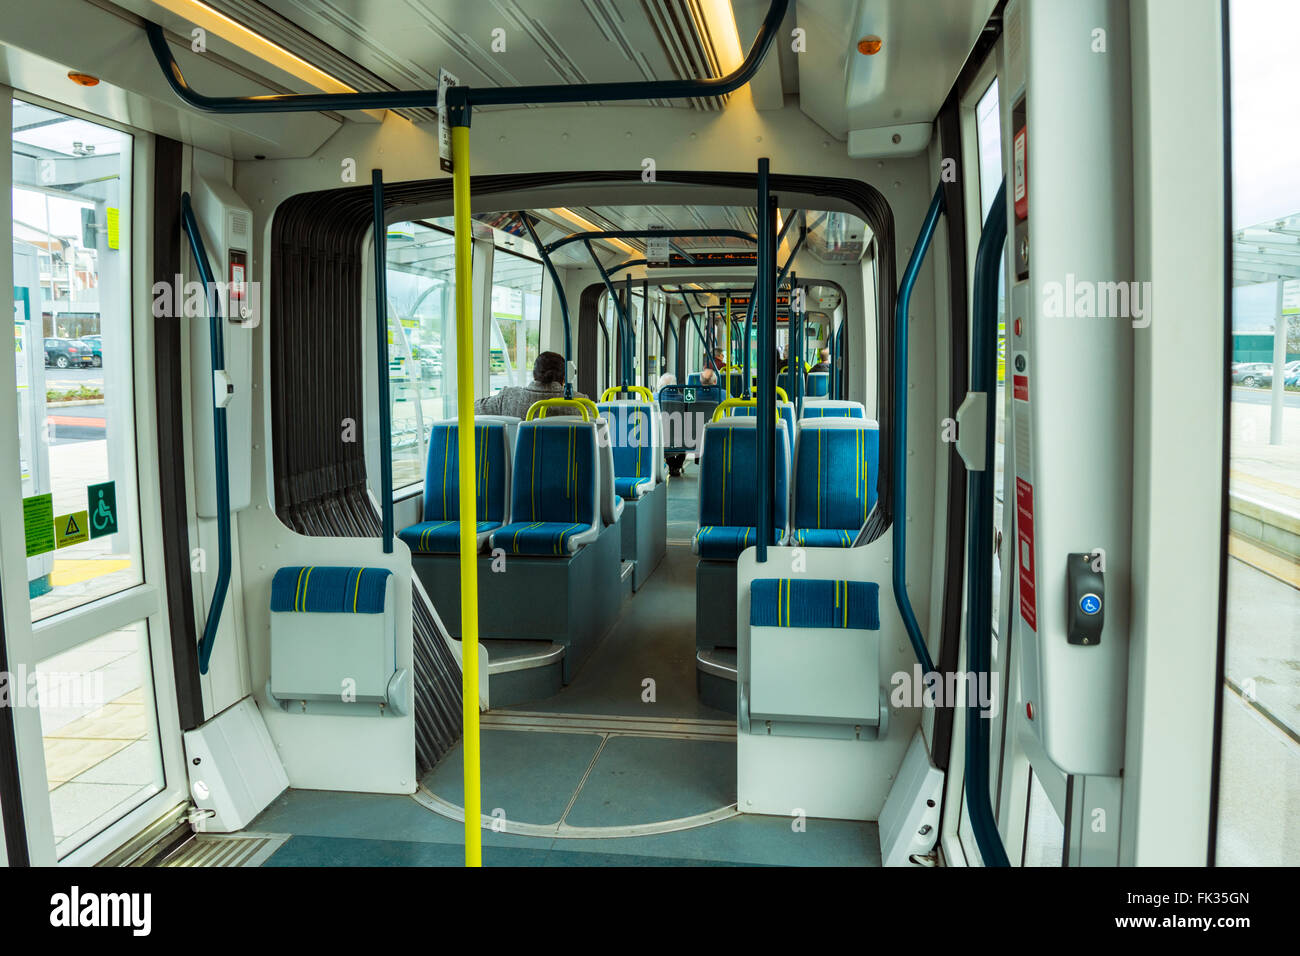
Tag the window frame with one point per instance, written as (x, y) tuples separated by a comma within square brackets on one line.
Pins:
[(31, 642)]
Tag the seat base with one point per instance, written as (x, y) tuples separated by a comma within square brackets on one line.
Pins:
[(715, 604), (715, 678), (520, 671), (645, 533), (572, 601)]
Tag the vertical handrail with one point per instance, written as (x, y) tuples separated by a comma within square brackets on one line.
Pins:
[(468, 558), (629, 346), (789, 342), (979, 551), (728, 352), (766, 410), (745, 386), (647, 323), (381, 357), (798, 349), (900, 431), (831, 346), (559, 291), (753, 295), (618, 310), (220, 439)]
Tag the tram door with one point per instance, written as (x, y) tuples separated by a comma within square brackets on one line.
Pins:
[(89, 675), (1029, 794)]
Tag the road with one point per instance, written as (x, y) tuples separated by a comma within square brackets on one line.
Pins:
[(75, 422), (1263, 396)]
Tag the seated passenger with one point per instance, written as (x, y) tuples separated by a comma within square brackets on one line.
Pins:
[(823, 361), (666, 379), (513, 400), (708, 376)]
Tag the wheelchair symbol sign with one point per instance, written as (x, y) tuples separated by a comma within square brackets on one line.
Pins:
[(688, 395), (101, 505)]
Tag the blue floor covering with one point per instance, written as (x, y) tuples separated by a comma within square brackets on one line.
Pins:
[(538, 778), (362, 829)]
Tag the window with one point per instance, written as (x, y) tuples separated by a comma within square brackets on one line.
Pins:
[(102, 755), (72, 349), (988, 136), (989, 141), (616, 341), (516, 318), (1259, 757), (421, 341)]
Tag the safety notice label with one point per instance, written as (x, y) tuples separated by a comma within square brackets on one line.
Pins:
[(1025, 550), (70, 529), (38, 524)]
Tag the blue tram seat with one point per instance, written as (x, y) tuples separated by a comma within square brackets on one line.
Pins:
[(786, 410), (438, 531), (693, 378), (330, 624), (819, 385), (556, 503), (728, 493), (832, 408), (637, 447), (836, 461)]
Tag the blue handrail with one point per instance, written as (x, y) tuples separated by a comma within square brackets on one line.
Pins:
[(381, 344), (629, 343), (220, 441), (462, 99), (619, 312), (900, 432), (766, 411), (832, 347), (694, 321), (780, 277), (559, 291), (649, 234), (795, 349), (979, 550)]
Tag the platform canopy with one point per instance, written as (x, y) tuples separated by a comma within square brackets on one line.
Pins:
[(1267, 252)]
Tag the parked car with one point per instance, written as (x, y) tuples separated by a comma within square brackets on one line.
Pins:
[(66, 353), (1251, 374), (95, 344), (1261, 373)]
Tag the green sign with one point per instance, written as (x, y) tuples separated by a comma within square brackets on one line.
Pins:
[(38, 523), (688, 395), (70, 529), (101, 504)]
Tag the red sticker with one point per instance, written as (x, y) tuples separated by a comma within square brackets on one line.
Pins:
[(1025, 551), (1020, 387)]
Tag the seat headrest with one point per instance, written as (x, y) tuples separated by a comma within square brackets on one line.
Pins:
[(831, 424)]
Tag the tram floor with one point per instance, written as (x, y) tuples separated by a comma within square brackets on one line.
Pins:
[(602, 774), (361, 829)]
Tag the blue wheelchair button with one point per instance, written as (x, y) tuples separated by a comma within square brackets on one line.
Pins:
[(1090, 604)]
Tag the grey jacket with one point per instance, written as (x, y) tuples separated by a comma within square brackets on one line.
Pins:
[(515, 400)]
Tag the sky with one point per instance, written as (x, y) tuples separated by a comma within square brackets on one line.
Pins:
[(1265, 39)]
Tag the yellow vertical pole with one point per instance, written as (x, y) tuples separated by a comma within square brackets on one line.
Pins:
[(728, 395), (468, 494)]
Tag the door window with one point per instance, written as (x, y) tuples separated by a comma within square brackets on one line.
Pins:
[(72, 351)]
